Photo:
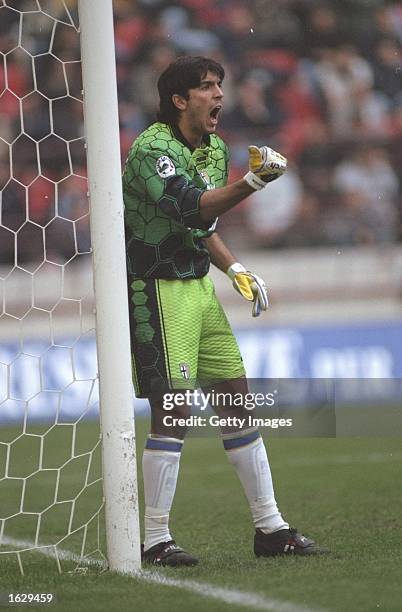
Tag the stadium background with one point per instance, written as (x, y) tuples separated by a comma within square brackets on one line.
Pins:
[(321, 82)]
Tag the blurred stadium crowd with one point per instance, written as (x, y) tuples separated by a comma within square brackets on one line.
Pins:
[(319, 81)]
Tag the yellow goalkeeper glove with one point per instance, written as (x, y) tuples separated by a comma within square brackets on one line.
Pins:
[(265, 165), (250, 286)]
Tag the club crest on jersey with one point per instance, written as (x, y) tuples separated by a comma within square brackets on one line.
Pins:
[(165, 167), (185, 370)]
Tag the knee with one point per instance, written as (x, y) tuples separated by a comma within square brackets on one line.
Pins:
[(170, 423)]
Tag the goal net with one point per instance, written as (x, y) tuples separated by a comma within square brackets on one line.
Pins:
[(51, 496)]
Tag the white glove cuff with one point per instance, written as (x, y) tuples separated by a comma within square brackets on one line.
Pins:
[(234, 269), (254, 181)]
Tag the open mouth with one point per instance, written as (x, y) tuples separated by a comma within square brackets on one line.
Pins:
[(213, 115)]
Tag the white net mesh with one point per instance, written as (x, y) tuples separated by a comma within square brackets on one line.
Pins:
[(50, 477)]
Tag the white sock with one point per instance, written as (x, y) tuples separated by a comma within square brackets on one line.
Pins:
[(246, 452), (160, 466)]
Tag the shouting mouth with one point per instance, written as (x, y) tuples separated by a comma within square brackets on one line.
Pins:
[(213, 115)]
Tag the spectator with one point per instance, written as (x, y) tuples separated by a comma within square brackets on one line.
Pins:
[(368, 187), (280, 27), (189, 40), (271, 214), (385, 23), (354, 222), (387, 68), (256, 105), (300, 75), (237, 34), (36, 115), (306, 229), (144, 78), (371, 114), (369, 171), (341, 76), (322, 31)]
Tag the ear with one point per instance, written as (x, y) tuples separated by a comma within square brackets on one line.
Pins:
[(179, 102)]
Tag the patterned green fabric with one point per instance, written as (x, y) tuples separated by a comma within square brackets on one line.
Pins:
[(163, 181), (180, 336)]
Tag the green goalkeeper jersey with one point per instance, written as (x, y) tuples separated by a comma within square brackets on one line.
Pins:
[(163, 180)]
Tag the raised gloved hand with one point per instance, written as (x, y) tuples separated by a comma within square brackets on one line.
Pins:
[(250, 286), (265, 165)]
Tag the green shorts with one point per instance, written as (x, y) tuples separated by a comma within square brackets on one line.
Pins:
[(180, 336)]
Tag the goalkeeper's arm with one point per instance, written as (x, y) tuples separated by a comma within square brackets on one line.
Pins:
[(219, 253), (249, 285), (265, 165)]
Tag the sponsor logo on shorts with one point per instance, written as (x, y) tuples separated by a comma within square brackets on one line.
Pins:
[(185, 370), (165, 167)]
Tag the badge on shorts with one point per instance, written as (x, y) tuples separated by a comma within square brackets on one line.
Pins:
[(185, 370), (165, 167)]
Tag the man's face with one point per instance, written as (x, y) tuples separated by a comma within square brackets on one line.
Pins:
[(200, 112)]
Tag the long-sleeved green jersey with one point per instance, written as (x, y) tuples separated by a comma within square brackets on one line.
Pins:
[(163, 180)]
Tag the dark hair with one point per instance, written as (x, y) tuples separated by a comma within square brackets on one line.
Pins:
[(181, 75)]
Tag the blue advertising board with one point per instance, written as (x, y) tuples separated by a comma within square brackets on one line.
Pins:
[(60, 382), (338, 351)]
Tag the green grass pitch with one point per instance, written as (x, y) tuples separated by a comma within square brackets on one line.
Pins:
[(344, 492)]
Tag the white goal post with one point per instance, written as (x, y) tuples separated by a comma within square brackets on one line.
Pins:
[(112, 327), (54, 497)]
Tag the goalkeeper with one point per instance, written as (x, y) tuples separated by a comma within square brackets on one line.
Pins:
[(174, 186)]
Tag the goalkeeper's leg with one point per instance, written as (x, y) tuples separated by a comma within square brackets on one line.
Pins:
[(220, 360), (164, 354), (246, 452), (160, 465)]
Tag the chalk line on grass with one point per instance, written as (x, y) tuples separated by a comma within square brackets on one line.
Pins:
[(224, 594)]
